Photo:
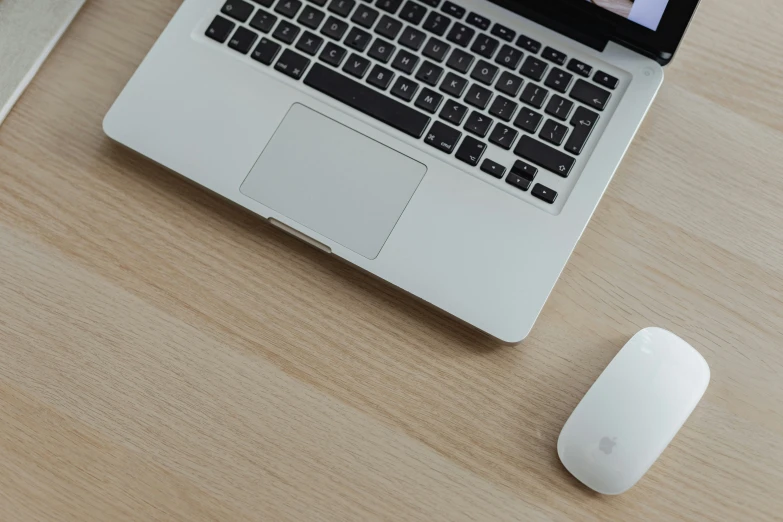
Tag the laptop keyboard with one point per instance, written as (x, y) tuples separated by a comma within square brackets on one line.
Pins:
[(461, 83)]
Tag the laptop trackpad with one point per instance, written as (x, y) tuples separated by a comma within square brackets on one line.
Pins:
[(333, 180)]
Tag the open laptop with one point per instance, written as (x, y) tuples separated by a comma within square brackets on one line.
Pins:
[(455, 148)]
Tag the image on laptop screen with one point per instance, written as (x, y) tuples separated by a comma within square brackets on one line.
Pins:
[(644, 12)]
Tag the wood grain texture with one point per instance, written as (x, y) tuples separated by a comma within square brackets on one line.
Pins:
[(167, 356)]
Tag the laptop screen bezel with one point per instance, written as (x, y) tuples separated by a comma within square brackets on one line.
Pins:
[(599, 25)]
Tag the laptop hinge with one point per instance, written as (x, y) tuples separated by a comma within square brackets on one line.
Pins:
[(580, 26)]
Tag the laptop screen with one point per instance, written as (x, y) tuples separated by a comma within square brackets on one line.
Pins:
[(647, 13)]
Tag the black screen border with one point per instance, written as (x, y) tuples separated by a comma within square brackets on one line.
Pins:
[(600, 25)]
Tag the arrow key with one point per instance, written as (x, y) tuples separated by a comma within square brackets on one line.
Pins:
[(471, 151), (591, 95), (544, 193)]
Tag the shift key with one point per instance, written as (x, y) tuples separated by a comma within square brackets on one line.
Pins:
[(544, 156)]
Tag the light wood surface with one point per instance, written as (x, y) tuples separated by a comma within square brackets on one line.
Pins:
[(167, 356)]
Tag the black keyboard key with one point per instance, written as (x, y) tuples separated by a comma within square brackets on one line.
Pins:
[(413, 12), (237, 9), (356, 65), (390, 6), (583, 121), (381, 50), (428, 100), (429, 73), (405, 61), (334, 28), (412, 38), (263, 21), (435, 49), (553, 55), (309, 43), (503, 136), (459, 60), (524, 170), (543, 193), (380, 77), (453, 9), (388, 27), (484, 72), (436, 23), (533, 68), (404, 88), (579, 68), (442, 137), (478, 96), (358, 39), (266, 51), (544, 156), (454, 85), (219, 29), (341, 7), (607, 80), (492, 168), (288, 8), (484, 45), (559, 80), (509, 84), (528, 44), (431, 3), (559, 107), (292, 64), (478, 21), (503, 108), (553, 132), (285, 32), (591, 95), (453, 112), (471, 151), (333, 54), (534, 95), (265, 3), (367, 100), (478, 124), (518, 181), (528, 120), (310, 17), (460, 34), (364, 16), (509, 57), (318, 2), (503, 32)]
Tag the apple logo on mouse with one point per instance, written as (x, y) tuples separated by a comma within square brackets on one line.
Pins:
[(607, 445)]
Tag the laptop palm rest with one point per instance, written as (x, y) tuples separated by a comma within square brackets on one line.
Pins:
[(334, 180)]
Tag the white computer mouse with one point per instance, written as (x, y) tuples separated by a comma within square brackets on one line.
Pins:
[(632, 412)]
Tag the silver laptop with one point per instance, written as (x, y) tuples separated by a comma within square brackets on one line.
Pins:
[(454, 148)]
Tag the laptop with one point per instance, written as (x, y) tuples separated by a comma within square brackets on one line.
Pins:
[(29, 30), (454, 148)]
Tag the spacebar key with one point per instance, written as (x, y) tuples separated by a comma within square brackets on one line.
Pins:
[(545, 156), (367, 100)]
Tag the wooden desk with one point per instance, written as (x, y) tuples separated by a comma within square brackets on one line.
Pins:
[(166, 356)]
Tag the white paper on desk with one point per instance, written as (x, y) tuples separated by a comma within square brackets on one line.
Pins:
[(29, 30)]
